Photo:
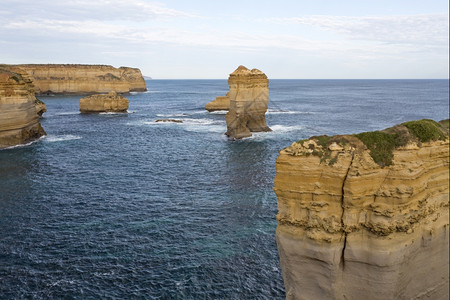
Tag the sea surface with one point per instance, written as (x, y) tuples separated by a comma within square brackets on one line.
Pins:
[(117, 206)]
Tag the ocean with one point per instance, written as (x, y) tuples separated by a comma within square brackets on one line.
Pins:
[(117, 206)]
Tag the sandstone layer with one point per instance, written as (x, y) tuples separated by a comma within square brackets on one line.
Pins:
[(19, 122), (111, 102), (248, 97), (220, 103), (357, 221), (83, 79)]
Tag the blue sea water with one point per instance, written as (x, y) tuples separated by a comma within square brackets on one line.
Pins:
[(116, 206)]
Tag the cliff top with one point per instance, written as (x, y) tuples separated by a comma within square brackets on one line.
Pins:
[(243, 71), (381, 144)]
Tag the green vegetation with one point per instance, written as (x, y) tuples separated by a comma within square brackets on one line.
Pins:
[(381, 146), (37, 101), (425, 130)]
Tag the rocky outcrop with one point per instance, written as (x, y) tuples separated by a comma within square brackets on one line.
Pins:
[(366, 216), (111, 102), (220, 103), (83, 79), (41, 108), (19, 122), (248, 96)]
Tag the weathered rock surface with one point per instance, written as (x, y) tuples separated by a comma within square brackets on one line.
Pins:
[(249, 96), (19, 122), (351, 229), (111, 102), (220, 103), (41, 108), (83, 79)]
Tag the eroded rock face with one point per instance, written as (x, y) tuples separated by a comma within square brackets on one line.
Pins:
[(351, 229), (249, 96), (83, 79), (19, 122), (220, 103), (111, 102)]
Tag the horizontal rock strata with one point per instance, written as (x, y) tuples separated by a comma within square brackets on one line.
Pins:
[(357, 223), (83, 79), (19, 122), (220, 103), (111, 102), (249, 96)]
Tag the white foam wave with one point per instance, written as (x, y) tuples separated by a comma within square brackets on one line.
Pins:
[(24, 145), (113, 113), (171, 115), (146, 92), (67, 113), (62, 138), (284, 128), (219, 112), (287, 112)]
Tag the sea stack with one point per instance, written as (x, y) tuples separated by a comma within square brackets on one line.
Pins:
[(83, 79), (111, 102), (249, 96), (366, 216), (19, 121)]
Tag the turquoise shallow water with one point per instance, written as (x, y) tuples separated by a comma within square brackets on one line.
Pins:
[(118, 206)]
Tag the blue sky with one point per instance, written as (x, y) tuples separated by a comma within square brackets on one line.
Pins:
[(209, 39)]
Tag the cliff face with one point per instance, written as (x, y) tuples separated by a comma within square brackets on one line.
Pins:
[(19, 122), (76, 79), (248, 96), (349, 228), (111, 102)]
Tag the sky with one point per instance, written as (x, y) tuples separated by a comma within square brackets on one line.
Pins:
[(200, 39)]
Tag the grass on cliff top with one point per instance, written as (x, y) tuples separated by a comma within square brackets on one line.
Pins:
[(426, 130), (381, 144)]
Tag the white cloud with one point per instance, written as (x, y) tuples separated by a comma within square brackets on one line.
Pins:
[(131, 10), (413, 29)]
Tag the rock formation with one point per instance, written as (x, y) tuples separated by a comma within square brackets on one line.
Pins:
[(19, 122), (248, 97), (220, 103), (111, 102), (366, 216), (83, 79)]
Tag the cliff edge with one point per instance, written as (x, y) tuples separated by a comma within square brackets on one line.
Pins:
[(366, 216), (19, 121), (83, 79)]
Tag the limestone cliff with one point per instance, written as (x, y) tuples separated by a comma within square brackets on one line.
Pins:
[(111, 102), (366, 216), (83, 79), (246, 101), (19, 122)]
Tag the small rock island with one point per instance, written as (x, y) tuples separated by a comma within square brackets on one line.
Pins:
[(111, 102), (366, 216)]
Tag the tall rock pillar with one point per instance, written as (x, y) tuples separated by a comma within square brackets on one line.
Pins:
[(249, 96)]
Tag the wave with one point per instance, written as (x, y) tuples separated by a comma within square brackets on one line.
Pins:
[(113, 113), (146, 92), (288, 112), (285, 128), (67, 113), (61, 138), (219, 112), (24, 145)]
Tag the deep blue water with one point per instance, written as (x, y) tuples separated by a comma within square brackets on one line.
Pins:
[(116, 206)]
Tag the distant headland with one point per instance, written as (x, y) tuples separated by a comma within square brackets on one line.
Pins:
[(82, 79)]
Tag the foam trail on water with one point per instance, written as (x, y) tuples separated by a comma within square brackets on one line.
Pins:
[(61, 138)]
